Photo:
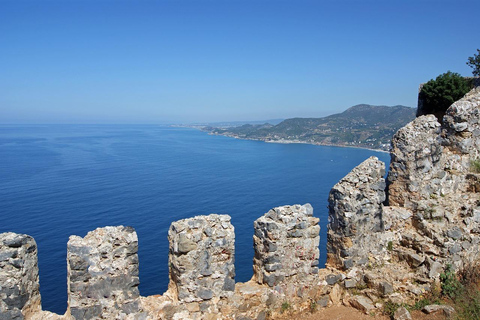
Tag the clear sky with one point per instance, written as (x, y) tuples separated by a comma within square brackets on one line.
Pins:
[(113, 61)]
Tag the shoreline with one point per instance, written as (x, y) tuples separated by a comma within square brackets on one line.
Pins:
[(296, 141)]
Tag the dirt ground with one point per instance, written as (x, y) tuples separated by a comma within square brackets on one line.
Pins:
[(348, 313)]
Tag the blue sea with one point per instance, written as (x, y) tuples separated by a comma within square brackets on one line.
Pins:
[(62, 180)]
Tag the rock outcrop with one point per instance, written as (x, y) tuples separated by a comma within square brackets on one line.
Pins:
[(432, 213)]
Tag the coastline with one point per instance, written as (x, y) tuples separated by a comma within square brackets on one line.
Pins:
[(295, 141)]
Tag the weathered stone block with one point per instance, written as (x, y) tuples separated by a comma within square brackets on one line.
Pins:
[(402, 314), (202, 255), (295, 258), (103, 274), (362, 303), (355, 214), (19, 286)]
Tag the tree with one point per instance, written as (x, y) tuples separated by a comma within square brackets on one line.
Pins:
[(474, 63), (439, 94)]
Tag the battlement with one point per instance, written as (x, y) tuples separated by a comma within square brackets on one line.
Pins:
[(103, 277)]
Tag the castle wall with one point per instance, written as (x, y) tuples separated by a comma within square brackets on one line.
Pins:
[(201, 258), (103, 274), (286, 248), (19, 286), (355, 213)]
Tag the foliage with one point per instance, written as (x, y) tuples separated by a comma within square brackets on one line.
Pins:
[(475, 165), (390, 307), (425, 302), (439, 94), (468, 306), (313, 306), (390, 246), (467, 303), (285, 306), (474, 63), (451, 285), (463, 290)]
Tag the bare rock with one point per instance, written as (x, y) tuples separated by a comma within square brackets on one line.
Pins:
[(362, 303), (402, 314), (433, 308)]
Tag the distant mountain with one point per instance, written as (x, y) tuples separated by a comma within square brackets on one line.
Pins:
[(363, 125), (229, 124)]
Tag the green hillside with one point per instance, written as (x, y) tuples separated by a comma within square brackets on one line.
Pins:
[(362, 125)]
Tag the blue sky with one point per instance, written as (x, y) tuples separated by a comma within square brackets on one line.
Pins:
[(159, 61)]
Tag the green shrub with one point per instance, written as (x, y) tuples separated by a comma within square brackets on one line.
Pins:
[(468, 306), (439, 94), (425, 302), (285, 306), (474, 63), (451, 286), (475, 165), (390, 307), (390, 246)]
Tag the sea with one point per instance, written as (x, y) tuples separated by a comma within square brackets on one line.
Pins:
[(62, 180)]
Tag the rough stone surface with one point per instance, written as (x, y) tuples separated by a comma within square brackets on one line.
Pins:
[(362, 303), (286, 248), (202, 255), (19, 286), (103, 274), (414, 173), (355, 214), (431, 215), (447, 310), (402, 314)]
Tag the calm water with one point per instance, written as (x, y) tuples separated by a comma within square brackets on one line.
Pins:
[(60, 180)]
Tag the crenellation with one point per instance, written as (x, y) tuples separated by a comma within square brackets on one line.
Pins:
[(286, 248), (355, 215), (103, 274), (19, 282), (201, 258)]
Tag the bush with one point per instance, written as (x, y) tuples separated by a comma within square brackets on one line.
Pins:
[(451, 285), (474, 63), (439, 94), (475, 165), (285, 306)]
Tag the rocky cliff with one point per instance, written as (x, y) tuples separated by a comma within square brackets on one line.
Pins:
[(387, 240)]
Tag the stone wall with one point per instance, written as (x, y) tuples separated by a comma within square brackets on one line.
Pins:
[(19, 286), (416, 167), (355, 214), (286, 248), (103, 274), (201, 258)]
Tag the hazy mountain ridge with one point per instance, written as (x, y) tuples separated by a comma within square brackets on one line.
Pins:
[(363, 125)]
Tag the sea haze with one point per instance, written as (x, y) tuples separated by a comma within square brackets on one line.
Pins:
[(62, 180)]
